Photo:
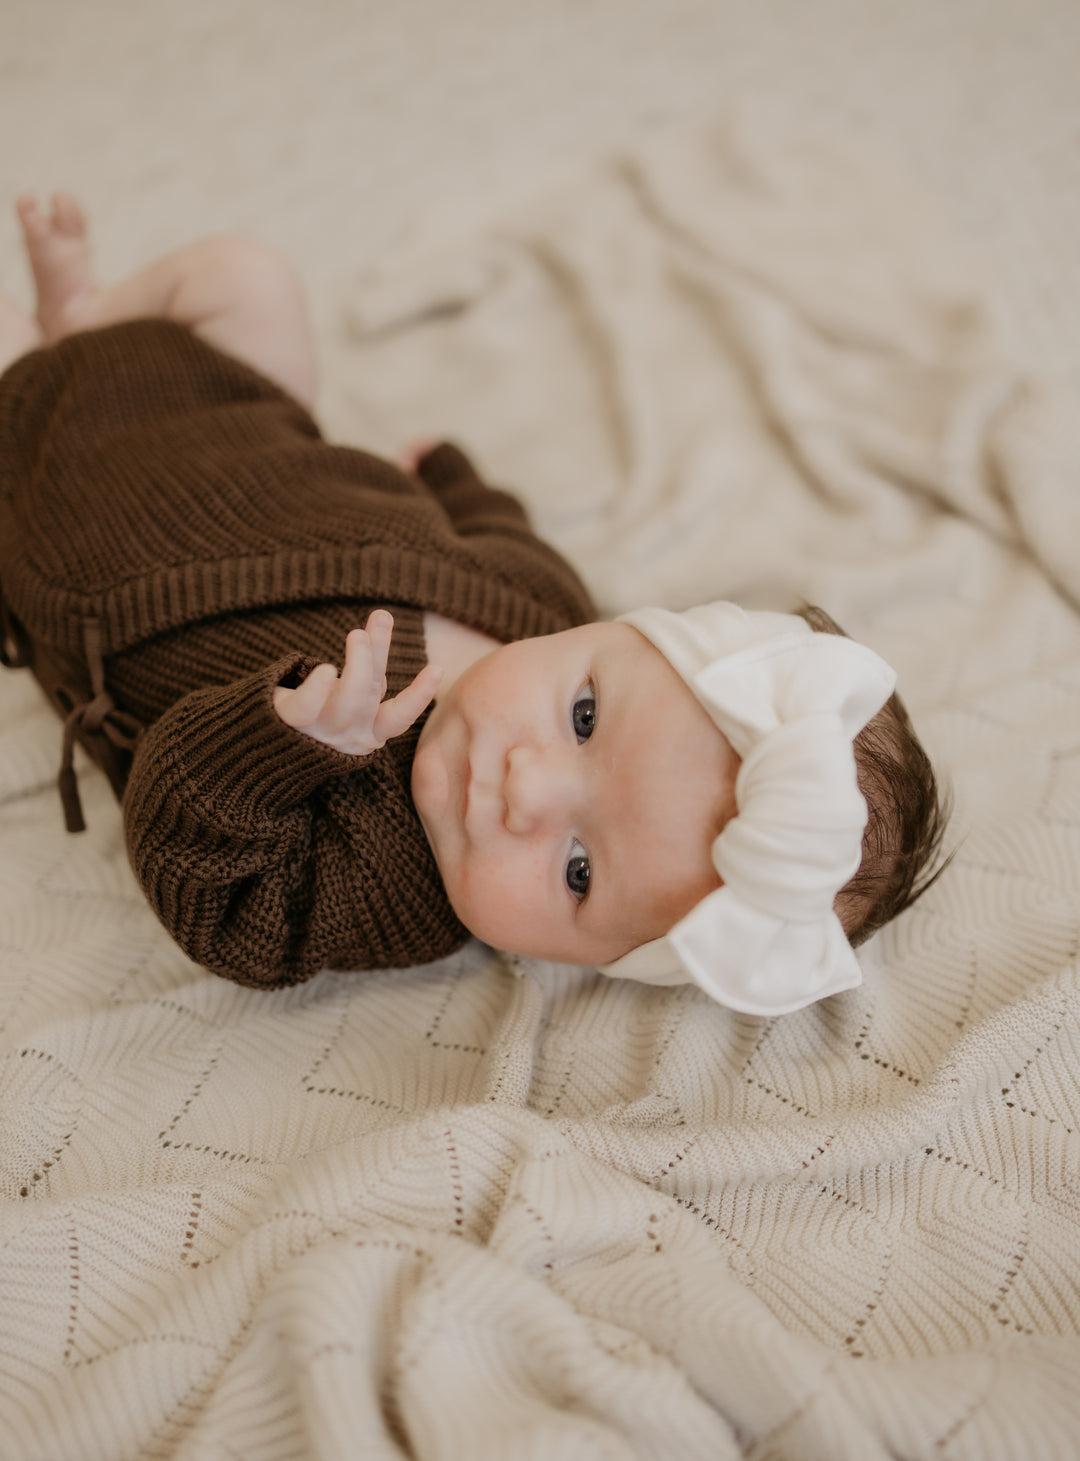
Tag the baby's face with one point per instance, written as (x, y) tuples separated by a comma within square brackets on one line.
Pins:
[(571, 787)]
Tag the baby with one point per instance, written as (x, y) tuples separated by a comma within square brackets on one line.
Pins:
[(715, 796)]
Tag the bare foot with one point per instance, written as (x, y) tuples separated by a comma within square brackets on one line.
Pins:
[(18, 332), (60, 258)]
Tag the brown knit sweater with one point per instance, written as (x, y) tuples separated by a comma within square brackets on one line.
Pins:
[(176, 539)]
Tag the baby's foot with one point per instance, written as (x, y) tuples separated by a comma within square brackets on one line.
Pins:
[(60, 258), (18, 332)]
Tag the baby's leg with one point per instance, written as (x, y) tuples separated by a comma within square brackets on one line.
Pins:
[(236, 294), (18, 332)]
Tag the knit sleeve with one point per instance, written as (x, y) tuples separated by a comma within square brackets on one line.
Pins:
[(242, 833)]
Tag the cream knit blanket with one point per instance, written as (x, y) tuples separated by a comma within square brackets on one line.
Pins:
[(492, 1209)]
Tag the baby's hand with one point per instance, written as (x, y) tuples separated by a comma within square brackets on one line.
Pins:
[(348, 711)]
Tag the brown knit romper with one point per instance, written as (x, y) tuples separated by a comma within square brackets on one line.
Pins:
[(176, 539)]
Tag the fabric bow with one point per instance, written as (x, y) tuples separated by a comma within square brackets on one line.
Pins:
[(791, 702)]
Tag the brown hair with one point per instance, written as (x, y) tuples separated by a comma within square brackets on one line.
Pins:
[(901, 849)]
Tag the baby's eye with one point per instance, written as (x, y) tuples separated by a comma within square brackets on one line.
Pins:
[(583, 713), (577, 871)]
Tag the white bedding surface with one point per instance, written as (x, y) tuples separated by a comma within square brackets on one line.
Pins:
[(492, 1208)]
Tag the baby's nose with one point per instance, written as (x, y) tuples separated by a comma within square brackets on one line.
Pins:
[(540, 787)]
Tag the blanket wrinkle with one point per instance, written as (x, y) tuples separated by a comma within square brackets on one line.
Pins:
[(496, 1207)]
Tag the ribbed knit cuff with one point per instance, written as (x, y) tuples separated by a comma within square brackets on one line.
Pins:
[(236, 754)]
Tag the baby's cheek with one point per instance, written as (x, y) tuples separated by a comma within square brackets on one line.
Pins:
[(500, 899), (434, 796)]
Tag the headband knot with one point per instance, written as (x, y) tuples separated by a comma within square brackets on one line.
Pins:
[(791, 703)]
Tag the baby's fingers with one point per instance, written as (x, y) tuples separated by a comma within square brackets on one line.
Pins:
[(302, 706), (348, 711), (379, 629), (397, 715), (352, 705)]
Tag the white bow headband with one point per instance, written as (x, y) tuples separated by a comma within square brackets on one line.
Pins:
[(791, 702)]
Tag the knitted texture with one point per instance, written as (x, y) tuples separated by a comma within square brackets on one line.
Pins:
[(190, 510), (151, 481)]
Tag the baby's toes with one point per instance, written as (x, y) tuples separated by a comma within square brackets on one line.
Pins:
[(68, 216), (31, 216)]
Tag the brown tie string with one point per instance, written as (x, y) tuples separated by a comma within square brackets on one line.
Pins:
[(97, 716)]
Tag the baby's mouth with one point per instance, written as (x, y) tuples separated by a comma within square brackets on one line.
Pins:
[(466, 791), (472, 809)]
